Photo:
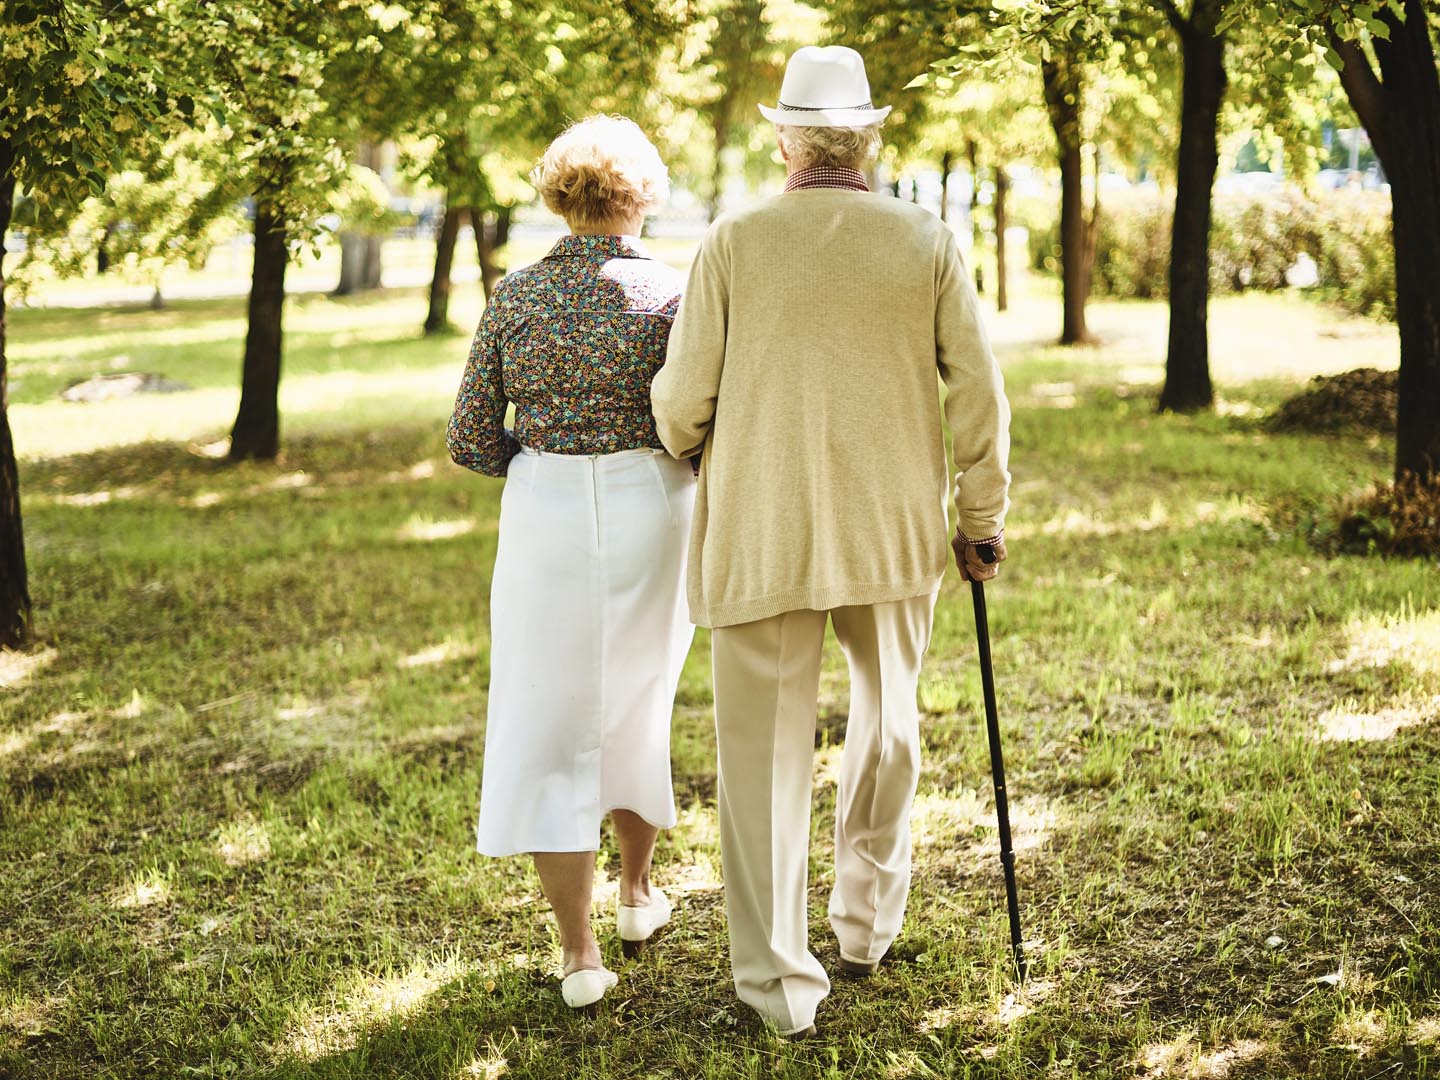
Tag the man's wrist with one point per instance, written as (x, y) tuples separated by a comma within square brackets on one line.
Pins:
[(998, 538)]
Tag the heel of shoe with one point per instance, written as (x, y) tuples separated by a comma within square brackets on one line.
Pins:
[(582, 989), (631, 949)]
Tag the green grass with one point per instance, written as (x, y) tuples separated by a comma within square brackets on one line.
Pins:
[(240, 774)]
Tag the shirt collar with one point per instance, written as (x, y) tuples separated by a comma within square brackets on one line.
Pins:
[(827, 176), (607, 247)]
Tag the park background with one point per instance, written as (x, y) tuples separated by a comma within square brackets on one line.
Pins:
[(241, 723)]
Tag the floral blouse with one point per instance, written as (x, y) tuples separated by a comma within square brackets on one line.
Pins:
[(573, 341)]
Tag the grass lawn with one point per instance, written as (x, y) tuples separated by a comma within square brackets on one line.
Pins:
[(240, 774)]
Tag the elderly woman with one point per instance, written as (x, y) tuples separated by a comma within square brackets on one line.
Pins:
[(588, 621)]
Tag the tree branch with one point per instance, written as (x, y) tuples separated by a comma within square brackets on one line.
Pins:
[(1178, 21), (1366, 94)]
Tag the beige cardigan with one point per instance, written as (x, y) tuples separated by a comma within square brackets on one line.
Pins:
[(803, 362)]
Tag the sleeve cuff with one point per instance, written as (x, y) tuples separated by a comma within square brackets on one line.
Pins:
[(997, 538)]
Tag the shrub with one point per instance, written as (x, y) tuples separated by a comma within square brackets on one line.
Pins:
[(1364, 400), (1253, 242), (1401, 518)]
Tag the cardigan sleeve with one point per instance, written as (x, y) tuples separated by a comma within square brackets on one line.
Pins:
[(975, 403), (476, 437), (684, 390)]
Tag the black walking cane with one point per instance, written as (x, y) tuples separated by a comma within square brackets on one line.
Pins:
[(997, 762)]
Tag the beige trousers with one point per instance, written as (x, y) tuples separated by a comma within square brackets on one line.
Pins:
[(767, 681)]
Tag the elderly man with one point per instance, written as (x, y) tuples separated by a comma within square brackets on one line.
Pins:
[(802, 367)]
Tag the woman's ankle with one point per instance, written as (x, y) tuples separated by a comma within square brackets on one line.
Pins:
[(581, 958), (635, 893)]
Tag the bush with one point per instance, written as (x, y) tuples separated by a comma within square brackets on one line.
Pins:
[(1402, 518), (1363, 400), (1253, 242)]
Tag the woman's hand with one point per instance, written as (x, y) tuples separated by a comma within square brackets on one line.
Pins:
[(969, 563)]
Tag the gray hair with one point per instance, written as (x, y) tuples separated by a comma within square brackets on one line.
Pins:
[(838, 147)]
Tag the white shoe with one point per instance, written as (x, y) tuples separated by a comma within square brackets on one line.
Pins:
[(637, 924), (587, 986)]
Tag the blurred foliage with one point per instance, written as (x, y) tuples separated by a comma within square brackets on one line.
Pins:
[(1254, 241)]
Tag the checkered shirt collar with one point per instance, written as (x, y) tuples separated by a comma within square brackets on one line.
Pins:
[(827, 176)]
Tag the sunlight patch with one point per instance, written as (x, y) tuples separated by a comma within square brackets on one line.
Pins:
[(488, 1066), (1426, 1029), (1346, 725), (1403, 637), (423, 529), (700, 876), (1241, 409), (305, 711), (131, 710), (1218, 1063), (242, 841), (1183, 1060), (97, 498), (827, 764), (1076, 523), (298, 479), (937, 818), (1058, 395), (214, 451), (323, 1032), (422, 470), (25, 1015), (145, 889), (938, 1019), (16, 668), (1360, 1031), (438, 654)]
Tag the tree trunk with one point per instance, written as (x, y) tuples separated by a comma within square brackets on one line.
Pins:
[(1407, 64), (14, 580), (1062, 98), (972, 153), (102, 251), (439, 317), (491, 234), (717, 169), (1402, 117), (1002, 189), (359, 263), (257, 425), (947, 159), (1187, 361), (360, 252)]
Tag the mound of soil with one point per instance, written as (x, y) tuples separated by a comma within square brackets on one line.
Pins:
[(1361, 400), (1394, 519)]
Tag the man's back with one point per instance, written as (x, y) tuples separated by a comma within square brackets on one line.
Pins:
[(820, 317)]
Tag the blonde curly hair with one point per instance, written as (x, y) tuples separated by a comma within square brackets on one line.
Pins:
[(600, 170)]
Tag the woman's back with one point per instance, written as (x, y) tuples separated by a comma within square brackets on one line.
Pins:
[(573, 341)]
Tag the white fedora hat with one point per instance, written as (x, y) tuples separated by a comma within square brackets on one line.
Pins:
[(825, 87)]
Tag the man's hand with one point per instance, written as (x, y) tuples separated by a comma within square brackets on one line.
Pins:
[(971, 566)]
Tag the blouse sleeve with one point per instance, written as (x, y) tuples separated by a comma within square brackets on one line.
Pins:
[(477, 438)]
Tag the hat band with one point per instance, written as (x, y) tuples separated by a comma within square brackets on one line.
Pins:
[(824, 108)]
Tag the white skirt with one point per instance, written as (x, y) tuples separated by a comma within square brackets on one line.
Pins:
[(588, 632)]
